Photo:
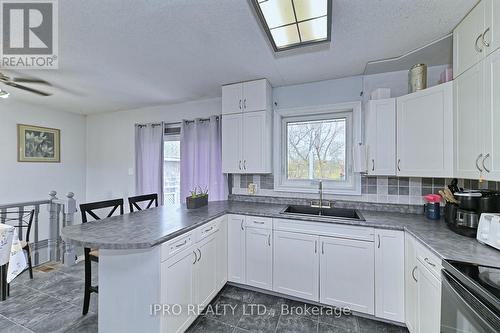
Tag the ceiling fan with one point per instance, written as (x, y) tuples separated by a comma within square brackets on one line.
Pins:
[(14, 82)]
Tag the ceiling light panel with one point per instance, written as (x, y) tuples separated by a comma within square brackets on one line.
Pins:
[(295, 23)]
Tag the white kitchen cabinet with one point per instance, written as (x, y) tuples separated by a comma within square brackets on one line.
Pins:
[(380, 129), (390, 275), (257, 142), (468, 47), (411, 291), (491, 122), (477, 118), (492, 25), (236, 248), (232, 143), (347, 274), (468, 108), (246, 143), (221, 269), (178, 286), (428, 300), (296, 265), (246, 97), (206, 272), (232, 98), (259, 258), (425, 133)]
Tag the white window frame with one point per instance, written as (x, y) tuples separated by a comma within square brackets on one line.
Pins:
[(352, 113)]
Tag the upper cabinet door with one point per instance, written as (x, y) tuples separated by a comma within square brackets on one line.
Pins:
[(232, 127), (492, 25), (256, 142), (232, 98), (256, 95), (425, 132), (380, 128), (468, 108), (468, 47), (491, 134)]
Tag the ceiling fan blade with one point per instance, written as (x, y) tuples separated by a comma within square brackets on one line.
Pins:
[(28, 80), (35, 91)]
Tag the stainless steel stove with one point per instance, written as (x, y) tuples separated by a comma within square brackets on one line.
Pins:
[(470, 300)]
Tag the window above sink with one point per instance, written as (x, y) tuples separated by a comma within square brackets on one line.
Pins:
[(315, 143)]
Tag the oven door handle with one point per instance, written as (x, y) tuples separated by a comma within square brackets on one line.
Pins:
[(460, 292)]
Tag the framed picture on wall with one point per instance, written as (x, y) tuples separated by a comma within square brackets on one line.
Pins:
[(38, 144)]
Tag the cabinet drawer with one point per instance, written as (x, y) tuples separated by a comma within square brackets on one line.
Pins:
[(208, 229), (258, 222), (326, 229), (176, 245), (429, 259)]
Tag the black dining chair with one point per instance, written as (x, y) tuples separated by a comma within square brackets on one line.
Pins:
[(149, 199), (93, 254), (22, 219)]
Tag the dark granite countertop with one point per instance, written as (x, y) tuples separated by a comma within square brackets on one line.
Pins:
[(151, 227)]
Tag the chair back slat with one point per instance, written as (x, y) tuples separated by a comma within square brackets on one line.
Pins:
[(20, 219), (150, 199), (89, 208)]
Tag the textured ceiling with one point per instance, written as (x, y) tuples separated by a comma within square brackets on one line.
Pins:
[(125, 54)]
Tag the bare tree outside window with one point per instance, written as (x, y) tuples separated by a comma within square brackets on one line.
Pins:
[(317, 150)]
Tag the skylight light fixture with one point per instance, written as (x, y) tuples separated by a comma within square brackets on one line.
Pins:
[(4, 94), (295, 23)]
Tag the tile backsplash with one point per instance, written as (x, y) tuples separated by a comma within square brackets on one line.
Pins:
[(399, 190)]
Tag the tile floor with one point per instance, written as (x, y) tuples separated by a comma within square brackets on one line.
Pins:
[(52, 302)]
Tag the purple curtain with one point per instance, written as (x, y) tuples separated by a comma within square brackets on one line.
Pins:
[(201, 158), (149, 159)]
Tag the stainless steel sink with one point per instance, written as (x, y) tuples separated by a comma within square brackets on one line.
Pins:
[(329, 213)]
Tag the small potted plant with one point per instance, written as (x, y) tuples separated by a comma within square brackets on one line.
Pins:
[(197, 199)]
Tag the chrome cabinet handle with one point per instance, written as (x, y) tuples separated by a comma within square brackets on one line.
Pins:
[(315, 246), (373, 165), (239, 166), (484, 159), (477, 162), (195, 258), (475, 45), (200, 254), (269, 240), (209, 229), (413, 274), (483, 38), (245, 164), (242, 225), (378, 236), (182, 244), (240, 104), (429, 262), (245, 103), (399, 164), (323, 248), (258, 222)]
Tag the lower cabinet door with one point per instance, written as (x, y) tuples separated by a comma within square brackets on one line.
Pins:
[(206, 281), (390, 275), (296, 265), (411, 284), (347, 274), (428, 300), (222, 253), (259, 258), (178, 287), (236, 248)]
